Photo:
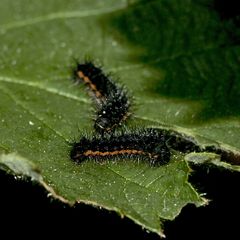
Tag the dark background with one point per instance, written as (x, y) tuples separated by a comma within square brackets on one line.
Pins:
[(25, 206)]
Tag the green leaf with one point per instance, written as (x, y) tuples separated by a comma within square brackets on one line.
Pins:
[(177, 58)]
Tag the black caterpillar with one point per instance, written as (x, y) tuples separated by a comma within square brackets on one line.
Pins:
[(151, 144), (111, 98)]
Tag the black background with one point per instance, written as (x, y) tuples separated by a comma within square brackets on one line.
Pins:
[(25, 206)]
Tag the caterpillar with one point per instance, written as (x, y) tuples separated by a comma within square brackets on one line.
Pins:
[(148, 144), (111, 99)]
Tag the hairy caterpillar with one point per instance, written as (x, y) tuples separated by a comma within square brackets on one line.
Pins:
[(148, 144), (111, 99)]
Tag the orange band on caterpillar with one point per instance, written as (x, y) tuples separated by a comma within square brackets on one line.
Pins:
[(119, 152), (90, 84)]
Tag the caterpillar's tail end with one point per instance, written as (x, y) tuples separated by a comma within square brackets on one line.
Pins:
[(76, 154)]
